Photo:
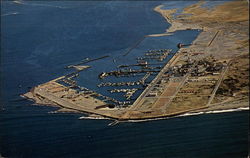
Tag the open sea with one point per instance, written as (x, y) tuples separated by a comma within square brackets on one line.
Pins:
[(40, 38)]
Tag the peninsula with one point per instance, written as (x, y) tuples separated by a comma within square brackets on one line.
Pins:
[(210, 74)]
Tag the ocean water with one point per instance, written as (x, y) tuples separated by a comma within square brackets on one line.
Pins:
[(40, 38)]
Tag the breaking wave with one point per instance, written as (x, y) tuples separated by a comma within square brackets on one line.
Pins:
[(195, 113), (93, 118), (215, 111)]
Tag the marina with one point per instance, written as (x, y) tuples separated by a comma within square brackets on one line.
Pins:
[(152, 79), (195, 103), (165, 90)]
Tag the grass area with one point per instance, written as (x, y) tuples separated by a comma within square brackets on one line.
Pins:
[(236, 81), (186, 103), (235, 11)]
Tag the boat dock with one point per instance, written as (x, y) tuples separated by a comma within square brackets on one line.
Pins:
[(158, 98)]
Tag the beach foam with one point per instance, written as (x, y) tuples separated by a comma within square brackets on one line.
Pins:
[(92, 118), (183, 115), (195, 113)]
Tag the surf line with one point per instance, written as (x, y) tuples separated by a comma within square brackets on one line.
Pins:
[(136, 44)]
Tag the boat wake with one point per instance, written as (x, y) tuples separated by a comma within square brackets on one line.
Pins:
[(37, 4), (11, 13)]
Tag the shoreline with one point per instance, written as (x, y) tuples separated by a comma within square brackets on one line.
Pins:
[(176, 25), (195, 113), (204, 42), (239, 109)]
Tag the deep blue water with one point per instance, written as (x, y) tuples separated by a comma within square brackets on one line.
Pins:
[(40, 38)]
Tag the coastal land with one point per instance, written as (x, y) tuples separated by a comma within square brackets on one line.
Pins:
[(210, 74)]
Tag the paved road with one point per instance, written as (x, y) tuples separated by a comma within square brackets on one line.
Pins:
[(217, 85), (151, 85), (69, 105), (177, 90)]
